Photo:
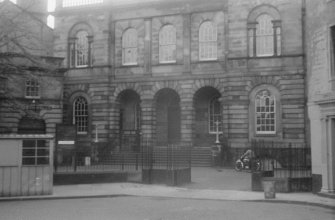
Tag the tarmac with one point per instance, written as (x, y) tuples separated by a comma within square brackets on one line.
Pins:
[(203, 187)]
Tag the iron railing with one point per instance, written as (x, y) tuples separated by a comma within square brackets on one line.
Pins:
[(158, 157), (283, 159)]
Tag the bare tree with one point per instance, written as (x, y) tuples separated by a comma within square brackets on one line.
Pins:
[(25, 53)]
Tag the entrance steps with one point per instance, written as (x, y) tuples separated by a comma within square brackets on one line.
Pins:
[(201, 157)]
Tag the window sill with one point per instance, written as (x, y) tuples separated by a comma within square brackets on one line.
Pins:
[(265, 57), (80, 67), (167, 62), (214, 132), (208, 60), (32, 97), (266, 135), (129, 64), (82, 133)]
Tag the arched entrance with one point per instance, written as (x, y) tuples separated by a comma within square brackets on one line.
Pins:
[(167, 117), (208, 116), (129, 121), (28, 125)]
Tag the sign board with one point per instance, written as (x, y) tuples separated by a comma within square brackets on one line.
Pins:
[(65, 142), (66, 134)]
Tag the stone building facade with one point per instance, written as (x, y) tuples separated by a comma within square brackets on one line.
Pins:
[(320, 50), (183, 71)]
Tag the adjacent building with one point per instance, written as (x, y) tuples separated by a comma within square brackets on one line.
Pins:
[(31, 82), (320, 51)]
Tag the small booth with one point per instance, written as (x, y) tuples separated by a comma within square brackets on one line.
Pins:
[(26, 164)]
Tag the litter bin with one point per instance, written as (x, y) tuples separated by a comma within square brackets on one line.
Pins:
[(269, 187), (87, 161)]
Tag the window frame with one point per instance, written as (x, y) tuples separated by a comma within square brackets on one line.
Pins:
[(84, 117), (32, 94), (253, 38), (212, 116), (35, 149), (210, 42), (127, 45), (263, 30), (167, 44), (256, 124), (274, 91), (73, 50)]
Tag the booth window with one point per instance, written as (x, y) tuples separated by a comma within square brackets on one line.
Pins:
[(35, 152)]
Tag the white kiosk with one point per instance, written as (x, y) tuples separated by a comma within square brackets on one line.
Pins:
[(26, 164)]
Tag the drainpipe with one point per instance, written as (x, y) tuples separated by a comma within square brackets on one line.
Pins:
[(303, 32)]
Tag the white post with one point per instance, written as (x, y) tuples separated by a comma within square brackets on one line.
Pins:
[(217, 132), (96, 133)]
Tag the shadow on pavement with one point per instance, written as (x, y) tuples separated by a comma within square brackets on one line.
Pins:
[(219, 178)]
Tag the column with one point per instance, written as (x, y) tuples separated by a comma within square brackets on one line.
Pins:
[(187, 118), (147, 121), (147, 46)]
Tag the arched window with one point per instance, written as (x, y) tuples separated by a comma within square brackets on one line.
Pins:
[(265, 112), (208, 41), (80, 115), (264, 35), (80, 49), (167, 44), (215, 116), (129, 47)]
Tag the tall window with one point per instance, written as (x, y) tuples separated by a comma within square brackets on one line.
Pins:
[(264, 37), (32, 89), (215, 116), (137, 116), (129, 47), (265, 110), (167, 44), (3, 85), (80, 50), (332, 50), (207, 41), (80, 115)]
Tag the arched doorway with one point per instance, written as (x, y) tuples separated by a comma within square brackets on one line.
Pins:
[(208, 116), (167, 117), (129, 121), (28, 125)]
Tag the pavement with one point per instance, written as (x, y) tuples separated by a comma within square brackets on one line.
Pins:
[(207, 184)]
